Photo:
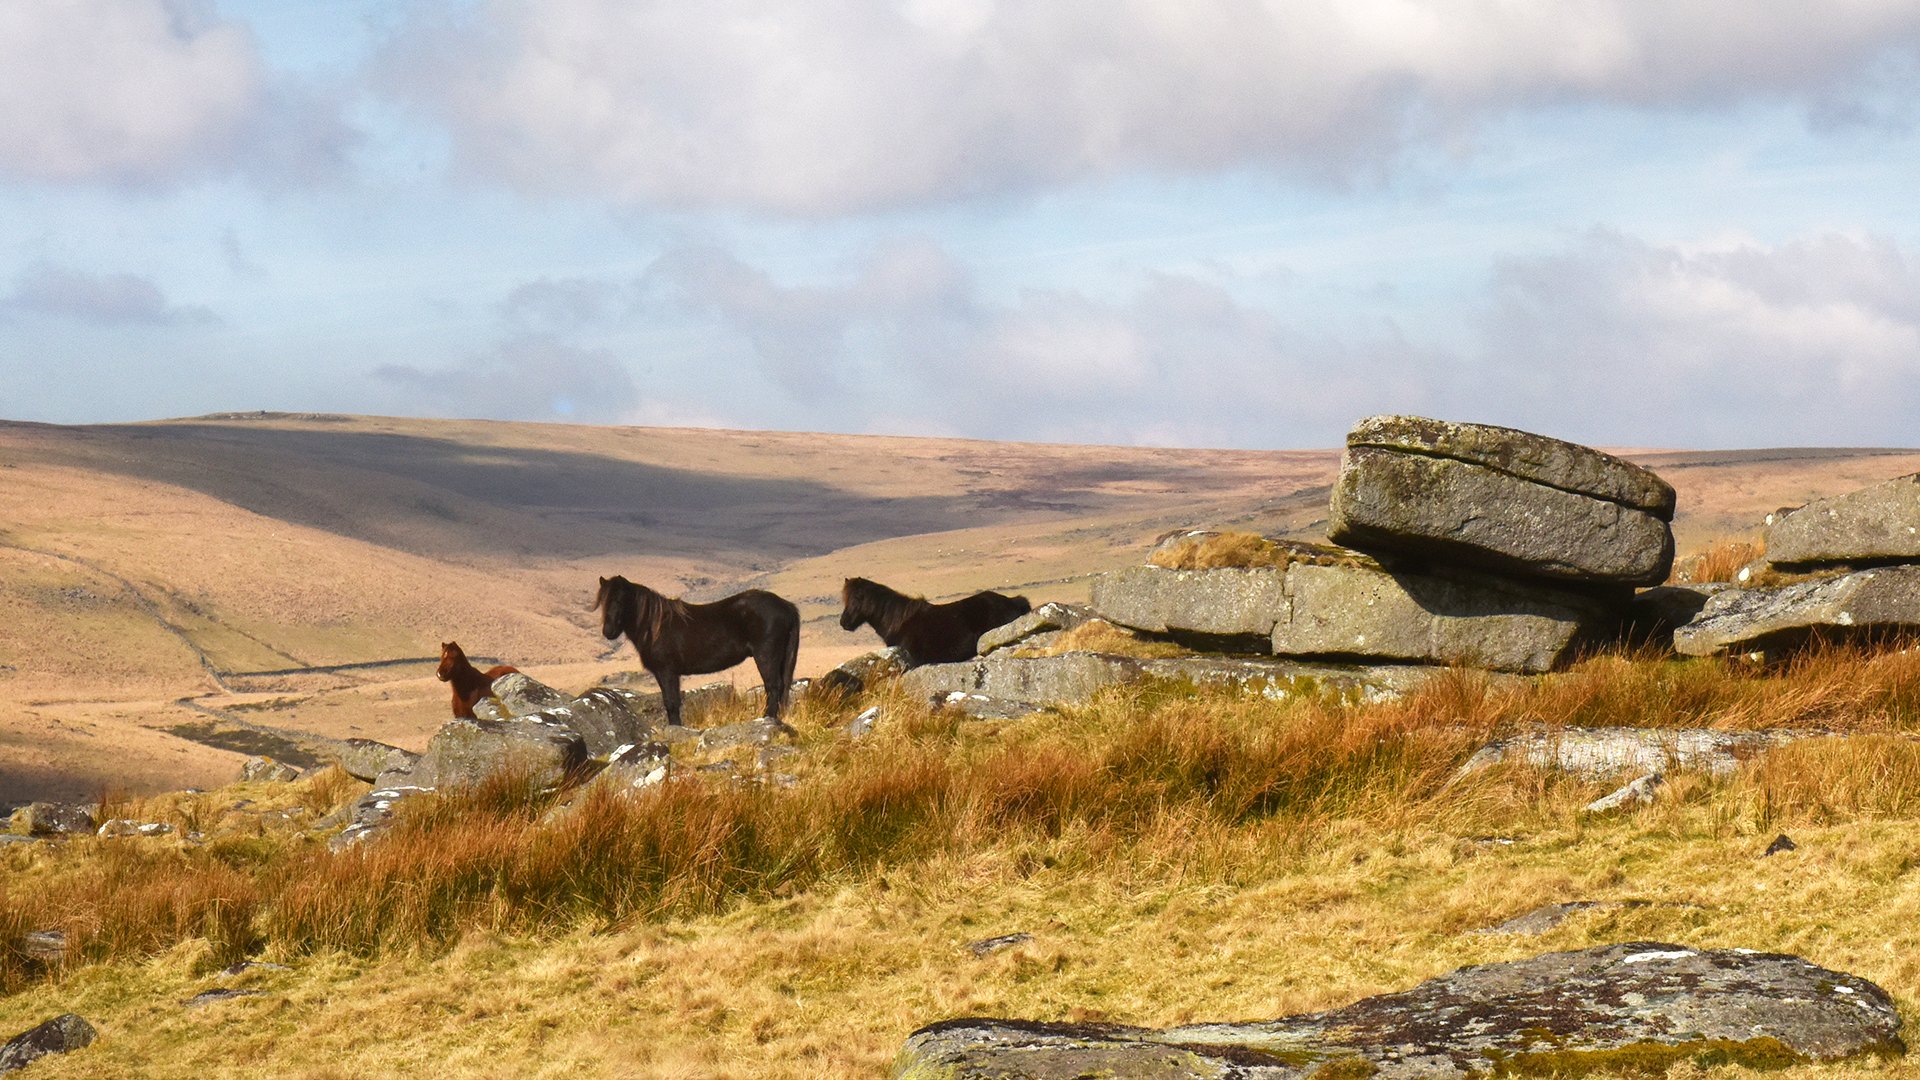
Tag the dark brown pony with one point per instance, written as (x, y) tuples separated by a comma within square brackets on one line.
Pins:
[(675, 638), (470, 684), (930, 633)]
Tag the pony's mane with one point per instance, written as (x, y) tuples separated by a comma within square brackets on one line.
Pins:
[(639, 610), (886, 609)]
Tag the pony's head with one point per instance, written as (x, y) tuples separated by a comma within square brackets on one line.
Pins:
[(451, 658), (617, 602), (852, 611)]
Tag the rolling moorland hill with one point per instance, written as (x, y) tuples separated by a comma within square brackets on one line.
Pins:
[(302, 569)]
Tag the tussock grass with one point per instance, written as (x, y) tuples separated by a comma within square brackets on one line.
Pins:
[(1178, 854), (1227, 549), (1719, 560), (1099, 635)]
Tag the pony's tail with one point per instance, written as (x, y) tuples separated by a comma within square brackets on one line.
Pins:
[(793, 654)]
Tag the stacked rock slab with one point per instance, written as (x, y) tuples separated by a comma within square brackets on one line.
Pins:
[(1861, 605), (1359, 610), (1874, 526), (1865, 545), (1502, 500)]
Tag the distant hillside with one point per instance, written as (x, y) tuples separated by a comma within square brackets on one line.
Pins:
[(306, 567)]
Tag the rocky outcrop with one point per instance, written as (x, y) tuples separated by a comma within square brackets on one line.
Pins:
[(1229, 605), (1029, 629), (1654, 614), (521, 695), (1864, 605), (1309, 610), (466, 752), (1639, 1006), (608, 717), (863, 671), (365, 759), (1875, 525), (1041, 681), (1479, 620), (61, 1035), (1502, 500), (55, 819)]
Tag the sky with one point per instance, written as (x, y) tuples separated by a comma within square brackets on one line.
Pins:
[(1199, 223)]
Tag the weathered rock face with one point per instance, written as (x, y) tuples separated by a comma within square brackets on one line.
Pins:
[(1350, 611), (56, 819), (1654, 614), (523, 696), (608, 718), (1605, 751), (1860, 605), (1045, 619), (1224, 604), (1550, 462), (1473, 515), (1879, 524), (1502, 500), (366, 759), (60, 1035), (1641, 1006), (1043, 680), (1001, 682), (864, 671), (465, 752), (1487, 622)]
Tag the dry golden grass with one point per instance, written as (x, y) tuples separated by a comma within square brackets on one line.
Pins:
[(1101, 636), (1719, 560), (1176, 855), (1245, 550), (1219, 550)]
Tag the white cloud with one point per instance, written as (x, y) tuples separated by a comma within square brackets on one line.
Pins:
[(1816, 341), (850, 105), (147, 91)]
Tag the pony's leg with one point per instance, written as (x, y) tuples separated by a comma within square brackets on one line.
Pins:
[(669, 694), (462, 708), (776, 666)]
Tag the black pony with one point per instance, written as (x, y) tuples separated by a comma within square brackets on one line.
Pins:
[(930, 633), (675, 638)]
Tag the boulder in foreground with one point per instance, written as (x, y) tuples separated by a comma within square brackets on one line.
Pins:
[(62, 1034), (1639, 1006), (1501, 500)]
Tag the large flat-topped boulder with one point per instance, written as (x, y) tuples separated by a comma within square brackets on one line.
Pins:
[(1861, 605), (1501, 500), (1636, 1007), (1353, 612), (1536, 458), (1878, 524)]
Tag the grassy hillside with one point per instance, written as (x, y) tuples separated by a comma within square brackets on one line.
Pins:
[(1175, 856)]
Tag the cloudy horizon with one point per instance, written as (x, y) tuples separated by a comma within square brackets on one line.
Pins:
[(1221, 223)]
